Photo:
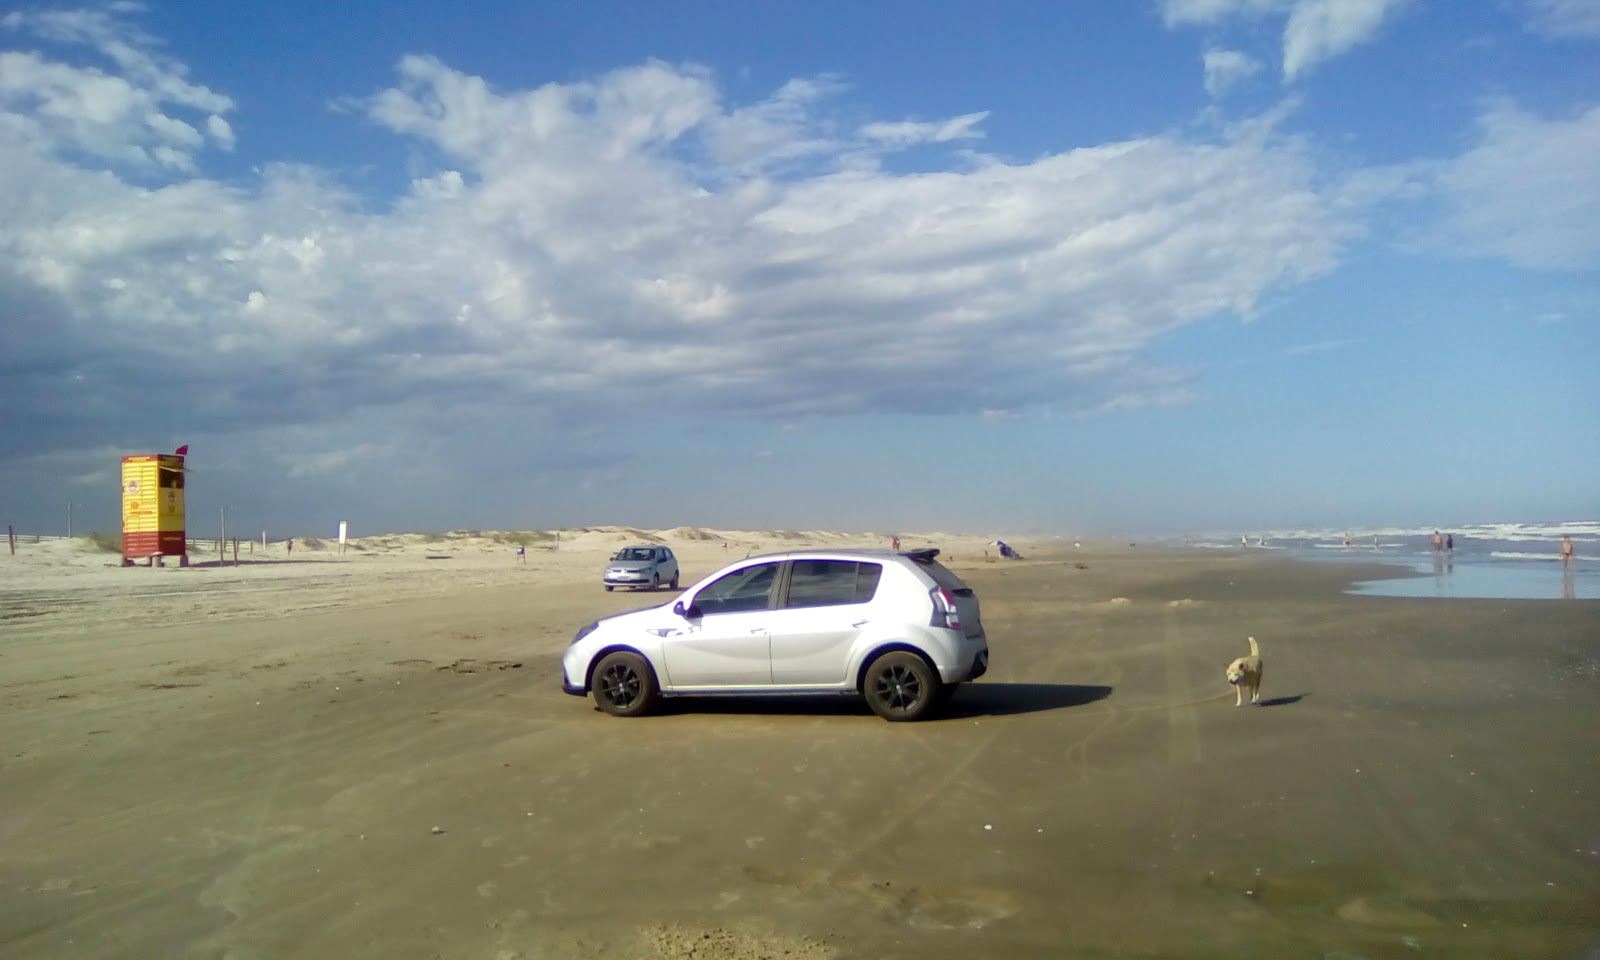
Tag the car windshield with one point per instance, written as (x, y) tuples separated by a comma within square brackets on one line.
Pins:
[(636, 553)]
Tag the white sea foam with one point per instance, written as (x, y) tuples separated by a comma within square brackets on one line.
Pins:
[(1581, 531)]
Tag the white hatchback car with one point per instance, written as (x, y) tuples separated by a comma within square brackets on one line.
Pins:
[(899, 629)]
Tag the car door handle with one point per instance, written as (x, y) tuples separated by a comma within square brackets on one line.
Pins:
[(758, 629), (860, 623)]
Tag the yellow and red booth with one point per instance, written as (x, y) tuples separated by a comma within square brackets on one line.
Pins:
[(152, 507)]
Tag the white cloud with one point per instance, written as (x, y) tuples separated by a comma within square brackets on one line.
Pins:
[(908, 133), (220, 131), (1565, 18), (125, 116), (1225, 68), (1314, 31), (633, 229), (1528, 191), (1320, 30)]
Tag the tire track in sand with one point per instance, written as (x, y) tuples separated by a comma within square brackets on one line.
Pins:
[(1183, 723)]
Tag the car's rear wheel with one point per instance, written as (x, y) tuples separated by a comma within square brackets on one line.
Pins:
[(655, 581), (624, 685), (674, 579), (900, 686)]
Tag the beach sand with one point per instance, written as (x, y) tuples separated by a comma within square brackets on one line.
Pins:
[(370, 756)]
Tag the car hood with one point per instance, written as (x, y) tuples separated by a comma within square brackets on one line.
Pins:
[(650, 613)]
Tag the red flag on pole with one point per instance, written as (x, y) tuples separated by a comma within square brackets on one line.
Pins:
[(182, 451)]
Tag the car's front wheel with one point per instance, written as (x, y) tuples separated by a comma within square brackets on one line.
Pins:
[(900, 686), (674, 579), (609, 588), (624, 685)]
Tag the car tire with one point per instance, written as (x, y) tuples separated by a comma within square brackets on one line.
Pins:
[(655, 582), (609, 588), (900, 686), (624, 685), (674, 579)]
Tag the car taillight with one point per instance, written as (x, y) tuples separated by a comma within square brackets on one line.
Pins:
[(945, 613)]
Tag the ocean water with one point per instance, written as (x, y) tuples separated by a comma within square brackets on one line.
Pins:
[(1493, 560)]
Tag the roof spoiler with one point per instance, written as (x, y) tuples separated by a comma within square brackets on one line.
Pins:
[(924, 555)]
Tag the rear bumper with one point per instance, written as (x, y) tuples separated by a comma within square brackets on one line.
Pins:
[(968, 669)]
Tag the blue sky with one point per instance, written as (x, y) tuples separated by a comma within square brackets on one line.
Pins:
[(1083, 268)]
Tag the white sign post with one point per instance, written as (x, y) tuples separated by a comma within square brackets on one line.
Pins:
[(344, 528)]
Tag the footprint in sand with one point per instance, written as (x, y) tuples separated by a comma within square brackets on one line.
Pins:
[(680, 942), (1385, 914), (950, 908)]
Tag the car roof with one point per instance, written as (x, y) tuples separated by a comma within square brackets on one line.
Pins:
[(917, 556)]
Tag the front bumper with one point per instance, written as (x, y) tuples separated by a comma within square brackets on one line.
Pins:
[(626, 580), (567, 686)]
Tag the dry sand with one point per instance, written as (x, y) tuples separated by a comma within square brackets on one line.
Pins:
[(369, 756)]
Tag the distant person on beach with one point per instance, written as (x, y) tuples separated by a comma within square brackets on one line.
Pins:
[(290, 545), (1438, 542), (1566, 549), (1450, 542), (522, 554)]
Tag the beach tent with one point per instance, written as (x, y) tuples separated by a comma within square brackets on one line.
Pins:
[(1005, 550)]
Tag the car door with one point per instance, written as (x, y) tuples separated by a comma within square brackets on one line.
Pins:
[(826, 606), (725, 641)]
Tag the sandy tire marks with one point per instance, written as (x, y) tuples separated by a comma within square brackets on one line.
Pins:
[(1183, 724)]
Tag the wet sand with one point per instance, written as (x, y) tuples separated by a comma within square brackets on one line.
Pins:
[(395, 773)]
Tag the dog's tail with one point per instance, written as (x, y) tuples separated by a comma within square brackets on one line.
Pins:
[(1255, 651)]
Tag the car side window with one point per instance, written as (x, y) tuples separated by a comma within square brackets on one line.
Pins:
[(747, 588), (827, 583)]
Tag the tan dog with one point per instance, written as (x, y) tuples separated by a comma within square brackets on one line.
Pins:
[(1245, 673)]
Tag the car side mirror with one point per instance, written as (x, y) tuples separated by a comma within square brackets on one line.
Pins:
[(691, 612)]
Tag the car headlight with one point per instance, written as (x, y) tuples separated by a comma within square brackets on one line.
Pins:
[(585, 631)]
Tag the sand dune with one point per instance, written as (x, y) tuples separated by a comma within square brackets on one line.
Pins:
[(80, 581)]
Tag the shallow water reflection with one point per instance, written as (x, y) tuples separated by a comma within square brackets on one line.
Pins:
[(1445, 578)]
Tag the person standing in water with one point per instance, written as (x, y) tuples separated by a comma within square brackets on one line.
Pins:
[(1566, 550)]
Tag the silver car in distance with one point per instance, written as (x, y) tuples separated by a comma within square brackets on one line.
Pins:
[(646, 567)]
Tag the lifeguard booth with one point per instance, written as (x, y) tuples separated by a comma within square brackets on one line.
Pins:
[(152, 508)]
